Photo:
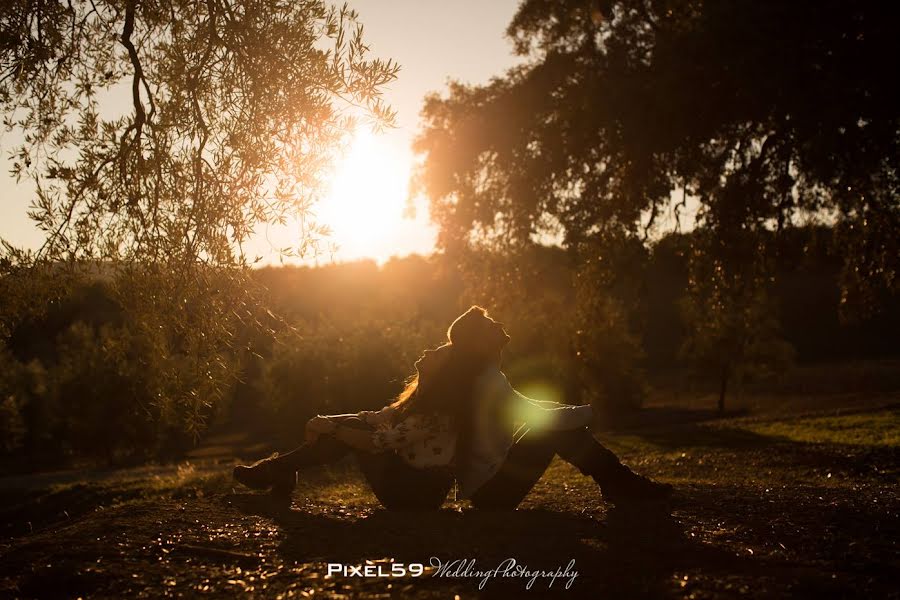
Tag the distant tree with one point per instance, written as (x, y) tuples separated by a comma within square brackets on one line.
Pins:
[(665, 281), (13, 428), (609, 303), (732, 321), (606, 348), (160, 135)]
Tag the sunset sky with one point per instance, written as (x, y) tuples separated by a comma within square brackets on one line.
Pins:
[(432, 41)]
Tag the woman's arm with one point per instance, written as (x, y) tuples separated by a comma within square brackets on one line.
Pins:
[(348, 428), (353, 432), (377, 417)]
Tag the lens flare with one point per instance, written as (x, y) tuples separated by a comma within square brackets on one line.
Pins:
[(535, 417)]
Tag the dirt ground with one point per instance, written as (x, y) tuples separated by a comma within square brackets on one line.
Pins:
[(779, 506)]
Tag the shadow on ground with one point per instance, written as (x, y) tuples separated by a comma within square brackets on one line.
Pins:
[(630, 553), (778, 452)]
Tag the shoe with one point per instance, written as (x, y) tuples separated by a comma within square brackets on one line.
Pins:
[(637, 489), (265, 474)]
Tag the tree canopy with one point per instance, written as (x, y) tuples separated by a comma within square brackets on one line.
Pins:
[(232, 108), (761, 113)]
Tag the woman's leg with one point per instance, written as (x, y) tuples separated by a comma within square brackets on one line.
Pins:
[(279, 472), (325, 449), (399, 486), (529, 457)]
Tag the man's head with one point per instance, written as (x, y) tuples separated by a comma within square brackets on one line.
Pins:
[(476, 333)]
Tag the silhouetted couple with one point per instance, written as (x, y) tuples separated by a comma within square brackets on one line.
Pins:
[(457, 419)]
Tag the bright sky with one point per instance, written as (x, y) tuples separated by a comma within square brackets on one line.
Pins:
[(432, 40)]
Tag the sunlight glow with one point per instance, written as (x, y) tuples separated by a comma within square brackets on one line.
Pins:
[(365, 202)]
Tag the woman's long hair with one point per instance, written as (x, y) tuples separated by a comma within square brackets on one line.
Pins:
[(445, 383)]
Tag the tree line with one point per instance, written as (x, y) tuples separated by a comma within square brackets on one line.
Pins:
[(83, 380)]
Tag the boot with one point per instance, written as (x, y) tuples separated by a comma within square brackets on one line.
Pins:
[(634, 489), (267, 473), (618, 483)]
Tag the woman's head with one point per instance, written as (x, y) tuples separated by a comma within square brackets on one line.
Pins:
[(431, 363)]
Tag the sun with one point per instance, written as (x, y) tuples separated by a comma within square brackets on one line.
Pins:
[(365, 200), (363, 204)]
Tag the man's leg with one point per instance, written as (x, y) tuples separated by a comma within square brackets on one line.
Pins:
[(619, 484), (525, 462), (529, 457)]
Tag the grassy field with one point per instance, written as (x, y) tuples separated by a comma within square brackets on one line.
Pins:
[(766, 506)]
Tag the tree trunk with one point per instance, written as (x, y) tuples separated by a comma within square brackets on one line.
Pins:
[(726, 372)]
